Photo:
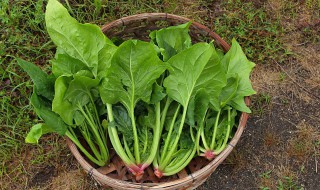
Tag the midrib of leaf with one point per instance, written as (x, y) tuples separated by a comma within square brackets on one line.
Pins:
[(72, 46), (195, 81), (132, 104), (133, 86)]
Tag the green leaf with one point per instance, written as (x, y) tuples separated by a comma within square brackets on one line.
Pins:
[(44, 84), (157, 93), (51, 119), (123, 122), (198, 107), (223, 125), (209, 125), (78, 117), (36, 132), (64, 64), (193, 70), (134, 68), (190, 113), (79, 90), (145, 141), (229, 91), (105, 56), (173, 39), (239, 104), (236, 62), (185, 140), (148, 120), (80, 41), (220, 53), (59, 105), (202, 104)]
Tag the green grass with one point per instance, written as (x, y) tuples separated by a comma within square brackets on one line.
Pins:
[(256, 30), (261, 103), (287, 183)]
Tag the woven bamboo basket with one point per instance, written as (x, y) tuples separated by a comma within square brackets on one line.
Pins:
[(116, 175)]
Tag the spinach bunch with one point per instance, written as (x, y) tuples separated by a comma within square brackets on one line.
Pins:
[(209, 87), (68, 100), (160, 102)]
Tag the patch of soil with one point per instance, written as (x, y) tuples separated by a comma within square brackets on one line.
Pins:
[(254, 156), (43, 176)]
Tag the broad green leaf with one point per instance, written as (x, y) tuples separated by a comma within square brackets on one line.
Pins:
[(172, 39), (79, 90), (51, 119), (229, 91), (78, 117), (135, 67), (202, 104), (193, 70), (63, 64), (190, 113), (84, 73), (80, 41), (148, 120), (236, 62), (185, 141), (44, 84), (220, 53), (59, 105), (123, 122), (105, 56), (239, 104), (36, 132), (101, 107), (216, 61), (157, 93), (198, 107)]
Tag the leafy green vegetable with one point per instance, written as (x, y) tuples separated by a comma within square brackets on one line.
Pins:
[(158, 102), (36, 132), (64, 64), (80, 41), (66, 101), (237, 69), (172, 40), (41, 80), (59, 105), (236, 63), (134, 69), (192, 71)]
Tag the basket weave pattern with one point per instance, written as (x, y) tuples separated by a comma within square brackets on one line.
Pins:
[(116, 175)]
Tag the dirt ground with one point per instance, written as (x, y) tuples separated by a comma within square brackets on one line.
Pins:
[(281, 142)]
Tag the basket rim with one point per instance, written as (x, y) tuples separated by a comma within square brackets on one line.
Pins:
[(205, 171)]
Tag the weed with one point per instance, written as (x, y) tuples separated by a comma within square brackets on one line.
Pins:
[(257, 32), (266, 180), (282, 76), (266, 175), (287, 183), (261, 103)]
